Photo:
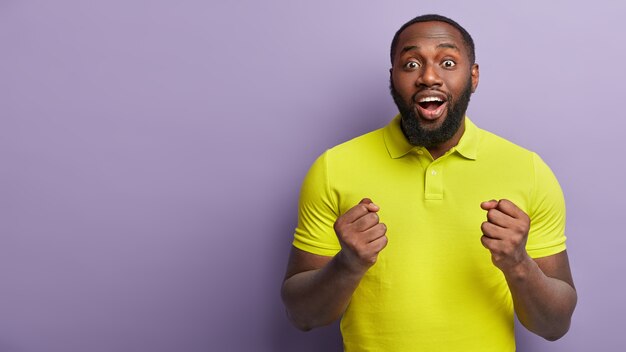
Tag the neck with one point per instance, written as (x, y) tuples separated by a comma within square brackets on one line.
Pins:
[(439, 150)]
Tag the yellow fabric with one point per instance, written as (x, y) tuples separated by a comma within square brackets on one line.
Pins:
[(434, 287)]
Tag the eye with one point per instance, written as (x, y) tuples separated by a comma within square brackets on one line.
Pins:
[(412, 65), (448, 64)]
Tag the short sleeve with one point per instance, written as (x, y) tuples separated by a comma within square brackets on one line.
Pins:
[(547, 213), (317, 212)]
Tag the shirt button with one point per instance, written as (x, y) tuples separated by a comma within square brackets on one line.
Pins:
[(420, 152), (433, 172)]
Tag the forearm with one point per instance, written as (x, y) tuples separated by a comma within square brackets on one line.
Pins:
[(544, 305), (318, 297)]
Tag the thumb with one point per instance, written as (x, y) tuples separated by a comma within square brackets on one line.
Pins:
[(490, 204), (369, 204)]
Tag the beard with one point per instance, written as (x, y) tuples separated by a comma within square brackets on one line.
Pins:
[(421, 137)]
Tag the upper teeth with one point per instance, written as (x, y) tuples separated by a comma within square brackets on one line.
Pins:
[(427, 99)]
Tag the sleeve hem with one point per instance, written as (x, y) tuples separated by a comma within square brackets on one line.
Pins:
[(547, 250), (315, 248)]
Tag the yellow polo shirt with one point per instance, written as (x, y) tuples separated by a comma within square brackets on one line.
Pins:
[(434, 287)]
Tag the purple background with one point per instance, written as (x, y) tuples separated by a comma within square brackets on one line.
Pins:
[(152, 154)]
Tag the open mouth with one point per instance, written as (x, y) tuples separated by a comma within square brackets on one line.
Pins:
[(430, 103), (431, 107)]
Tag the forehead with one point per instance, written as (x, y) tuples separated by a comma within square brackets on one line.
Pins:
[(430, 33)]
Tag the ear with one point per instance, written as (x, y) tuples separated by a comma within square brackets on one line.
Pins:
[(475, 74)]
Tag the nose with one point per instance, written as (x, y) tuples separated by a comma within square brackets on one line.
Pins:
[(429, 76)]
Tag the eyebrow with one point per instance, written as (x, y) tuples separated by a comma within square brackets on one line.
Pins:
[(442, 45), (409, 48), (449, 46)]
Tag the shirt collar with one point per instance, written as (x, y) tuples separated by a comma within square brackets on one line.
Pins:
[(398, 146)]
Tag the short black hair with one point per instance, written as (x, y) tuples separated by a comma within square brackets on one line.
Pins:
[(467, 38)]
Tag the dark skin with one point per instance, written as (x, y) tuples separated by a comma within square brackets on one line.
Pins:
[(543, 290), (433, 63), (317, 289), (431, 56)]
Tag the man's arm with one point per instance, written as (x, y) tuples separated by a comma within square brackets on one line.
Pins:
[(317, 289), (543, 290)]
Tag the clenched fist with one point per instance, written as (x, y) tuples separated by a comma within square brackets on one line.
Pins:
[(361, 236), (505, 233)]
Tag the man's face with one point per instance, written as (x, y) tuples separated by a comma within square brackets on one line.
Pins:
[(432, 79)]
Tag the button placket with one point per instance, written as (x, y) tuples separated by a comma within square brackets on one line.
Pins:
[(434, 182)]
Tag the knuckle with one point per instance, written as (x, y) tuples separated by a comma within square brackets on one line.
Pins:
[(356, 244), (483, 240), (384, 241), (340, 231), (350, 241), (378, 230), (505, 202), (356, 248), (521, 228), (339, 223)]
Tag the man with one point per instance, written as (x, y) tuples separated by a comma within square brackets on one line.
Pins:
[(428, 234)]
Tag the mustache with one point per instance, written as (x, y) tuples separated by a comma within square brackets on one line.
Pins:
[(415, 133), (421, 91)]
